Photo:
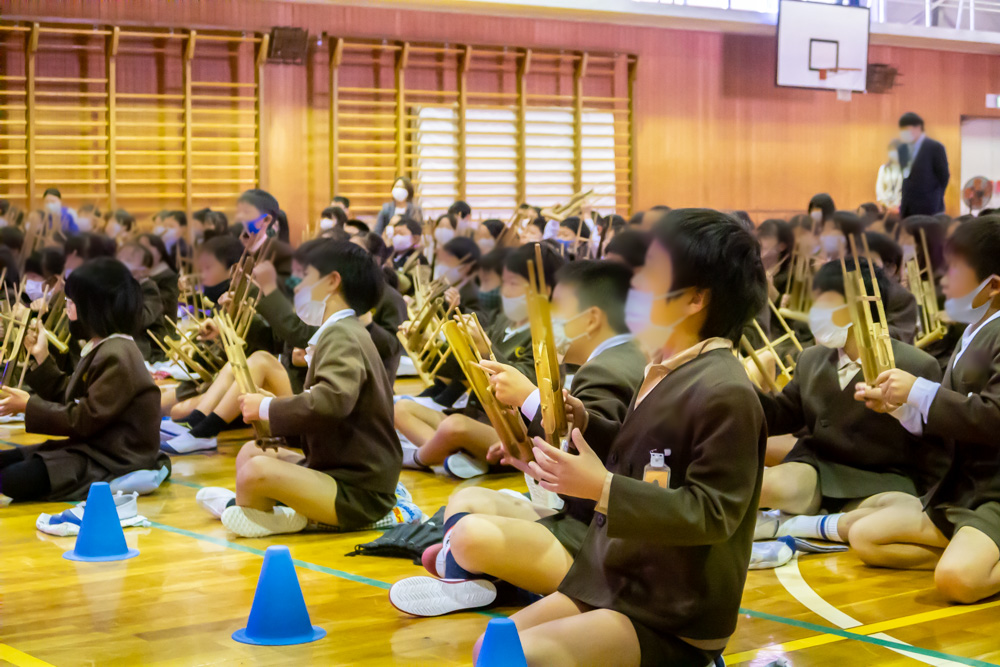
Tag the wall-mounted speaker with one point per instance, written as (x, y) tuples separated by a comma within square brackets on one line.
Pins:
[(881, 78), (288, 46)]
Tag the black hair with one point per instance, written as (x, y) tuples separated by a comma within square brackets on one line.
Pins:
[(336, 234), (52, 191), (336, 214), (147, 256), (48, 262), (714, 251), (464, 248), (446, 216), (910, 119), (179, 216), (343, 200), (88, 245), (577, 226), (801, 221), (493, 226), (888, 250), (631, 245), (552, 261), (201, 215), (374, 244), (978, 243), (823, 202), (636, 219), (406, 184), (125, 219), (538, 222), (601, 284), (782, 231), (12, 237), (226, 249), (301, 254), (830, 278), (412, 225), (361, 279), (360, 225), (262, 200), (870, 212), (934, 232), (9, 261), (849, 223), (157, 243), (744, 218), (460, 209), (281, 219), (91, 208), (4, 206), (108, 299), (494, 260)]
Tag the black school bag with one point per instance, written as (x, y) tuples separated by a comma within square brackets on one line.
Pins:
[(407, 541)]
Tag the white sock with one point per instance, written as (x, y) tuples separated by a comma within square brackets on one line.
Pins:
[(767, 524), (822, 527)]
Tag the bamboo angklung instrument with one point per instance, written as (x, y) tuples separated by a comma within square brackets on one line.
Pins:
[(421, 335), (506, 420), (571, 208), (930, 328), (242, 304), (784, 369), (871, 331), (233, 345), (799, 286)]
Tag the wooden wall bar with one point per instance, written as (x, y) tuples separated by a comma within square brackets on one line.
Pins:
[(710, 126)]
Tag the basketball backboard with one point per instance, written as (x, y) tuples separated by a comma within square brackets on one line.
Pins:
[(822, 46)]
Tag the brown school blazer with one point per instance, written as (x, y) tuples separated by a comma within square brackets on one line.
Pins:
[(109, 410), (858, 452), (966, 412), (675, 560), (343, 421)]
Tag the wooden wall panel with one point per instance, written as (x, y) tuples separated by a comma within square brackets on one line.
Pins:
[(711, 127)]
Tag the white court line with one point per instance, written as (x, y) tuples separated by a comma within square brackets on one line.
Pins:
[(791, 578)]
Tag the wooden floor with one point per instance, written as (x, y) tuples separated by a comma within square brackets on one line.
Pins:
[(192, 586)]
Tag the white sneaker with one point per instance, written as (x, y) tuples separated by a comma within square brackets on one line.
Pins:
[(171, 428), (187, 444), (409, 450), (463, 466), (427, 596), (249, 522), (214, 499), (768, 522)]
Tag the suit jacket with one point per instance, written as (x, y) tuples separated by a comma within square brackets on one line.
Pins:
[(109, 411), (166, 283), (857, 452), (675, 560), (152, 319), (389, 209), (901, 313), (966, 413), (923, 189), (343, 421)]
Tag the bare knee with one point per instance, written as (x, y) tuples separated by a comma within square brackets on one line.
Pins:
[(253, 472), (864, 536), (957, 584), (787, 492), (472, 539), (473, 500)]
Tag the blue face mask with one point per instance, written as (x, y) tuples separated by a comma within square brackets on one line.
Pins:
[(292, 282), (254, 226)]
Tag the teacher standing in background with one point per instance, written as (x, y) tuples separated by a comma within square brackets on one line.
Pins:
[(925, 169)]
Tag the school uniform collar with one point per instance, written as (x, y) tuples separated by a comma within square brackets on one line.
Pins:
[(330, 321), (655, 372), (971, 333), (614, 341), (510, 332), (91, 345), (847, 368)]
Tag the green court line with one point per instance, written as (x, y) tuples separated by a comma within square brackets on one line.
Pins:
[(899, 646)]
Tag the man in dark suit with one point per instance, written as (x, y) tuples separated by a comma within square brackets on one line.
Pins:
[(925, 169)]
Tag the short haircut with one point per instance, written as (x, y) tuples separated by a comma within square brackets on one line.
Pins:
[(226, 249), (4, 206), (336, 214), (407, 183), (464, 248), (517, 261), (636, 218), (888, 250), (179, 216), (801, 221), (631, 245), (301, 254), (493, 226), (538, 222), (359, 224), (601, 284), (343, 200), (978, 243), (336, 234), (830, 278), (460, 209), (494, 260), (108, 299), (823, 202), (47, 262), (361, 279), (412, 225), (125, 219), (262, 200), (934, 232), (161, 248), (12, 237), (849, 223), (871, 212), (52, 191), (374, 244), (147, 256), (88, 245), (577, 226), (910, 119), (714, 251), (446, 216), (201, 215)]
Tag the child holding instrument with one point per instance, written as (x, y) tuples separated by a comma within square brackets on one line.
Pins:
[(347, 472), (955, 531), (660, 574), (493, 537), (108, 409)]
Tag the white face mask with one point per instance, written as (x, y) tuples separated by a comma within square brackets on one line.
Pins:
[(399, 194), (452, 274), (84, 224), (831, 245), (3, 221), (159, 229), (402, 243), (54, 208), (816, 214), (486, 245), (906, 136), (309, 311), (561, 340), (326, 224), (170, 237), (442, 235), (35, 289), (826, 332), (961, 309), (515, 308), (893, 156), (638, 319), (113, 229), (909, 252)]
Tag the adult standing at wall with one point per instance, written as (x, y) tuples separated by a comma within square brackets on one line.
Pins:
[(925, 169)]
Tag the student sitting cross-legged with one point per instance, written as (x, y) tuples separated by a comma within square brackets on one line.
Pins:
[(847, 454), (955, 531), (493, 537), (347, 472), (660, 574)]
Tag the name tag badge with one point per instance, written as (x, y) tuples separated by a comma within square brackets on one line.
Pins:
[(657, 471)]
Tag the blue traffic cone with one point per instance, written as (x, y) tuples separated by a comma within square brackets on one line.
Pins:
[(501, 646), (101, 536), (279, 616)]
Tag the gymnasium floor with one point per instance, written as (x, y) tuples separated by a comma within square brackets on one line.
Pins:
[(192, 585)]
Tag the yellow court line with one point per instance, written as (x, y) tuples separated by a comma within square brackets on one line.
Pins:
[(870, 629), (20, 658)]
